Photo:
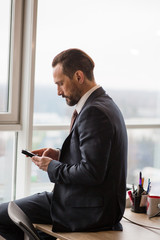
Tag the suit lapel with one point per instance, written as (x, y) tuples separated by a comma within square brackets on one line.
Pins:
[(98, 92)]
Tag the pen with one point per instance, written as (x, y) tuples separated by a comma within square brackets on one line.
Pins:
[(142, 181), (148, 188), (131, 197), (140, 178)]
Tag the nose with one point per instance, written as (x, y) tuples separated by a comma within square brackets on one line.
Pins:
[(59, 91)]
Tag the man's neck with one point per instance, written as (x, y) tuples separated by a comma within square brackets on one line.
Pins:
[(89, 85), (85, 97)]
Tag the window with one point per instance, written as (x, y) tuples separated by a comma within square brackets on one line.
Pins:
[(123, 39), (7, 156), (144, 154), (10, 59), (4, 57), (16, 76), (10, 48)]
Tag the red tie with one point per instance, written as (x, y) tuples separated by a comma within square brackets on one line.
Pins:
[(75, 114)]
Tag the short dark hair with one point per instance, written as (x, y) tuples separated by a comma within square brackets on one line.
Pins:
[(75, 59)]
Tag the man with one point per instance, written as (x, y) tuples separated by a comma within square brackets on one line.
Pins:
[(89, 171)]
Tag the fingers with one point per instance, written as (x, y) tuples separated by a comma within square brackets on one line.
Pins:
[(52, 153), (39, 152), (36, 160), (47, 152), (41, 162)]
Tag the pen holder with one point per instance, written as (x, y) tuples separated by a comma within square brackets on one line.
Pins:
[(139, 203)]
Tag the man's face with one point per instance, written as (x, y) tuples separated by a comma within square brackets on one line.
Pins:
[(66, 87)]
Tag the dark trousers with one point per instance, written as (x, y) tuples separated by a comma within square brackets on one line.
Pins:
[(36, 207)]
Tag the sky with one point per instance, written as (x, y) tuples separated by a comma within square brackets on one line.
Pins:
[(122, 37)]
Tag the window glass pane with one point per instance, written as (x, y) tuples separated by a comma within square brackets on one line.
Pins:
[(4, 52), (126, 52), (41, 139), (144, 155), (6, 165), (125, 49)]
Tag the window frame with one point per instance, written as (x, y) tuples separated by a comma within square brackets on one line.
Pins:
[(19, 119), (14, 67)]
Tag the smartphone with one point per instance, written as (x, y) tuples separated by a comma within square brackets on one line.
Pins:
[(27, 153)]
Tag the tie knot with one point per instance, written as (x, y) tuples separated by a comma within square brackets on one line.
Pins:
[(75, 113)]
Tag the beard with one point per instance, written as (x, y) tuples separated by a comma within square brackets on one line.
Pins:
[(73, 96), (71, 101)]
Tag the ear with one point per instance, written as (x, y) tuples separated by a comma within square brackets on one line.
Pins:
[(79, 76)]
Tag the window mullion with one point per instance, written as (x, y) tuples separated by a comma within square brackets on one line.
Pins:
[(27, 98)]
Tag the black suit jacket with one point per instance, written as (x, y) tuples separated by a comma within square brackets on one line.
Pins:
[(90, 177)]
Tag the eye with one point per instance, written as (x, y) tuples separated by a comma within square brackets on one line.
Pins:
[(60, 83)]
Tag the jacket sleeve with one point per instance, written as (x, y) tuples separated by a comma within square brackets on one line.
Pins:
[(95, 141)]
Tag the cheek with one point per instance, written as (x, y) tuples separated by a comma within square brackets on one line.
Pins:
[(65, 90), (68, 89)]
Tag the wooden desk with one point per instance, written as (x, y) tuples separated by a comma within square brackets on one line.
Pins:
[(130, 230)]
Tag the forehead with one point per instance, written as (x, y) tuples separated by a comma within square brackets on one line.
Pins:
[(57, 71)]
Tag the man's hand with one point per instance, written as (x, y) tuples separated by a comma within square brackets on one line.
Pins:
[(42, 162), (52, 153), (48, 152), (44, 157)]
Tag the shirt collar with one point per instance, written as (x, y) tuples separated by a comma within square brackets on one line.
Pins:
[(83, 99)]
